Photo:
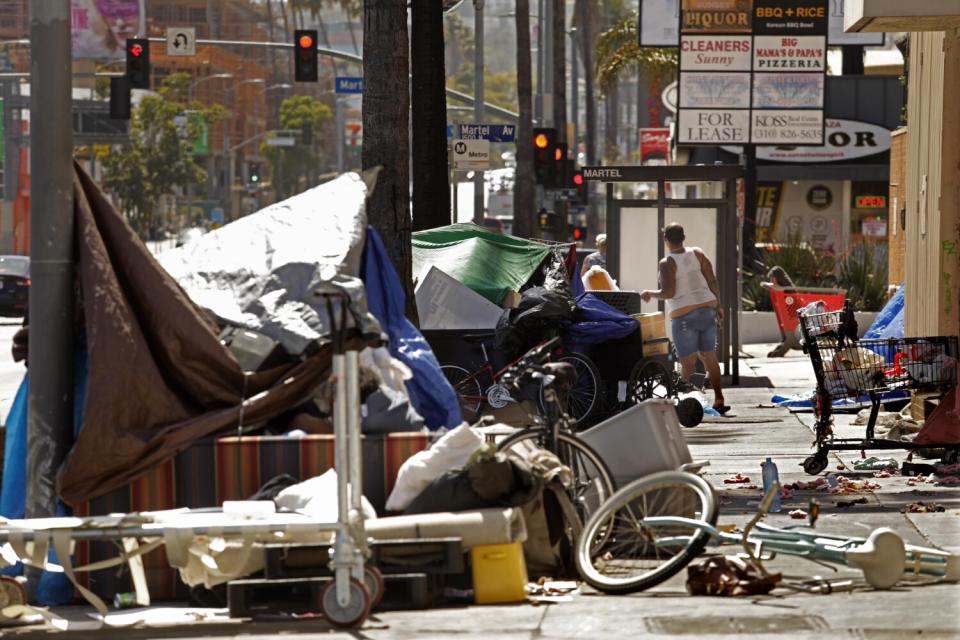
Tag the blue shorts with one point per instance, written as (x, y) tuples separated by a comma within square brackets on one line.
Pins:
[(695, 332)]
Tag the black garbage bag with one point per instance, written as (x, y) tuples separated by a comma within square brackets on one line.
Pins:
[(541, 311), (499, 482)]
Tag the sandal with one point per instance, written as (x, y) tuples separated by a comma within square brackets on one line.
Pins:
[(721, 408)]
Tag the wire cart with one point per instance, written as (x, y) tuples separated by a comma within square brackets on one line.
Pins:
[(865, 370)]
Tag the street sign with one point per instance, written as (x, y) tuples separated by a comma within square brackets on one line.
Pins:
[(284, 141), (348, 84), (491, 132), (181, 41), (471, 155)]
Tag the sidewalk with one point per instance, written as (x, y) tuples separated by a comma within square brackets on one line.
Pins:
[(732, 445)]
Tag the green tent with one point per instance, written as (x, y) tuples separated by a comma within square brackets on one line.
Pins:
[(489, 263)]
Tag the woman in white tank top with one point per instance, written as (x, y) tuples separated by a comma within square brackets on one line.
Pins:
[(692, 295)]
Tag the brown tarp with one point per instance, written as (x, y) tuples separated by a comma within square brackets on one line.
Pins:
[(159, 379)]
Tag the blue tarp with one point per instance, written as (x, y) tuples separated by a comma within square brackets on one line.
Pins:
[(430, 393), (54, 588), (598, 322)]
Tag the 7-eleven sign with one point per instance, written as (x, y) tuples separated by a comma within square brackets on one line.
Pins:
[(353, 133)]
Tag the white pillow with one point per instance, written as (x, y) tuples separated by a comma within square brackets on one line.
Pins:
[(449, 452), (317, 497)]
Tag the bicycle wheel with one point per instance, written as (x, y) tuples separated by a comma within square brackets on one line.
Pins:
[(592, 481), (467, 387), (583, 399), (637, 555)]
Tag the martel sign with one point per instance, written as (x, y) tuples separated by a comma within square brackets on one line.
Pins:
[(846, 140)]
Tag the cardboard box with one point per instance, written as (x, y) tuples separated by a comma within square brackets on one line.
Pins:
[(653, 326), (444, 303)]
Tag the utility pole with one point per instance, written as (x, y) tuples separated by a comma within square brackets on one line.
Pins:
[(478, 183), (50, 395), (575, 94)]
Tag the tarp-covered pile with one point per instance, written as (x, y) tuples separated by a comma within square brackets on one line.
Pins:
[(491, 264)]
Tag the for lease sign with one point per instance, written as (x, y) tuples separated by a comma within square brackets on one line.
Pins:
[(702, 126)]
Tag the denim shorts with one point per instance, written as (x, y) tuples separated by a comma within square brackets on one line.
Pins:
[(695, 332)]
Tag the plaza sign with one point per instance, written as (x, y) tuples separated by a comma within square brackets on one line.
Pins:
[(845, 140)]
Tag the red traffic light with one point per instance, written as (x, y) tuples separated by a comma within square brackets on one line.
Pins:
[(558, 154), (577, 233), (578, 179), (136, 50), (305, 42)]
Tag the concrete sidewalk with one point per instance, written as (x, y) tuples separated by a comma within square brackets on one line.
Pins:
[(732, 445)]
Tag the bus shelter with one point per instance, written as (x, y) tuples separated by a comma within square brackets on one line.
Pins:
[(641, 200)]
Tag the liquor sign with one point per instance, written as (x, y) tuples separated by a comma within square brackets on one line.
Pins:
[(654, 144), (715, 16)]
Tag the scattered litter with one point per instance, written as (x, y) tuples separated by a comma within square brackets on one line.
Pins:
[(728, 576), (836, 485), (923, 507), (882, 474), (798, 514), (949, 481), (737, 479), (548, 591), (786, 493), (875, 464), (841, 467), (846, 504)]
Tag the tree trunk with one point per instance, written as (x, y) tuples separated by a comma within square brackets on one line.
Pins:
[(386, 126), (587, 46), (611, 148), (524, 187), (560, 68), (431, 187)]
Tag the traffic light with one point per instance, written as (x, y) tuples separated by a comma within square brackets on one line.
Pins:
[(138, 62), (253, 172), (120, 98), (578, 182), (545, 157), (577, 233), (305, 68)]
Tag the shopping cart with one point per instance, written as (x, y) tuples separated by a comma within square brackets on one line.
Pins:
[(787, 301), (863, 371)]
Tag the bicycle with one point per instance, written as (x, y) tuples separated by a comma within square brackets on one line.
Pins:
[(652, 528), (582, 402), (592, 481)]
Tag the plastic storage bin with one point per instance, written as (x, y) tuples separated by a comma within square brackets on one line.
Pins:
[(499, 573), (644, 439)]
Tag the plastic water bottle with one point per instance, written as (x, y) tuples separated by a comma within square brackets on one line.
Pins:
[(771, 475)]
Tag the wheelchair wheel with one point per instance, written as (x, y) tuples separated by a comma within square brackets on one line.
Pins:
[(649, 379), (637, 553)]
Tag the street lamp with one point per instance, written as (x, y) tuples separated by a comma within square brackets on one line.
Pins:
[(216, 76)]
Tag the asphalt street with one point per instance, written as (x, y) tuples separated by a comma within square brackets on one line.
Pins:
[(732, 445)]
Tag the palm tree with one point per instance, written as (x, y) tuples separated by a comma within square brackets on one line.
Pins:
[(619, 52), (524, 187), (431, 187), (386, 122)]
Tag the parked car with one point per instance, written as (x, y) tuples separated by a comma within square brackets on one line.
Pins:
[(14, 285)]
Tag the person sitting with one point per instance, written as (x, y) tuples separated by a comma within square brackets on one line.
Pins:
[(690, 289)]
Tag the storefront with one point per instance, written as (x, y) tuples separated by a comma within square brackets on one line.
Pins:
[(833, 196)]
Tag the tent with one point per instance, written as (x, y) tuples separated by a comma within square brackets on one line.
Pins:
[(492, 264), (159, 379)]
